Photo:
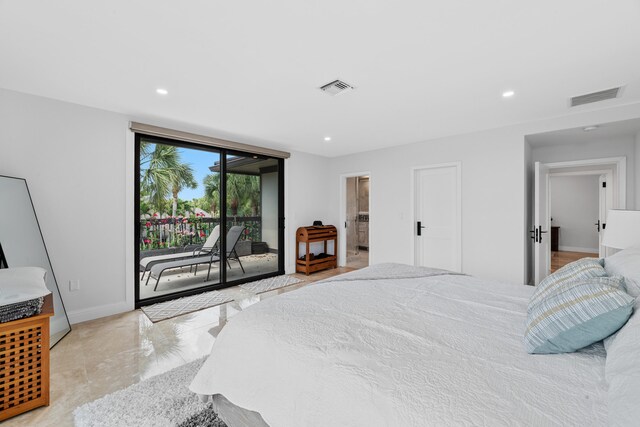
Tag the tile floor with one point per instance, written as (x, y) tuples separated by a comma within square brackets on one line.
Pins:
[(358, 260), (181, 279), (108, 354)]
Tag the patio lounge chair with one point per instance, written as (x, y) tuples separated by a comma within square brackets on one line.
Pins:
[(207, 248), (232, 239)]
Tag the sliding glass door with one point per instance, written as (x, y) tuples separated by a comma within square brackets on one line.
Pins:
[(252, 216), (191, 202)]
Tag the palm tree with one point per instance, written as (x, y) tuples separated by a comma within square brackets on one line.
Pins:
[(236, 186), (163, 174), (253, 194), (243, 192), (212, 191), (182, 177)]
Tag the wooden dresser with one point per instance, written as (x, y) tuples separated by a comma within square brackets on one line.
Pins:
[(24, 362), (310, 263)]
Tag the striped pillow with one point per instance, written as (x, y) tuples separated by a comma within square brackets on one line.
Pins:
[(576, 314), (581, 269)]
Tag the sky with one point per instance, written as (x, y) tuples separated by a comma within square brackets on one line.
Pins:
[(200, 162)]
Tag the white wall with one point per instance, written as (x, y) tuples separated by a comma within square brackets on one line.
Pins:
[(614, 147), (73, 158), (575, 209), (496, 192), (78, 162), (307, 192), (492, 199), (637, 162)]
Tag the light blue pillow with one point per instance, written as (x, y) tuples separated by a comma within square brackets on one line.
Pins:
[(581, 269), (575, 314)]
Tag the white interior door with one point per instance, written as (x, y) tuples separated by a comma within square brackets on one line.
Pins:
[(437, 217), (605, 186), (541, 229)]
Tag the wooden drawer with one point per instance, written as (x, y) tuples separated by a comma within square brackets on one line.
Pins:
[(24, 363)]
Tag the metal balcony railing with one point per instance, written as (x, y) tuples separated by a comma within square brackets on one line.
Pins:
[(175, 232)]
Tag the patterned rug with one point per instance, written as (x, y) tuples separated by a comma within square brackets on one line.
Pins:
[(264, 285), (163, 400), (180, 306), (177, 307)]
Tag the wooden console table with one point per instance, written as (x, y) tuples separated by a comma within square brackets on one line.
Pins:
[(308, 235), (24, 362), (555, 238)]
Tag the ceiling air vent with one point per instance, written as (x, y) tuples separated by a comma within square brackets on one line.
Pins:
[(336, 87), (589, 98)]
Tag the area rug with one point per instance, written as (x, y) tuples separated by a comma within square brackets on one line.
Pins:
[(163, 400), (264, 285), (180, 306)]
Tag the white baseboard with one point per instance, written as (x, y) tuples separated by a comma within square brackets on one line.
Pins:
[(92, 313), (577, 249)]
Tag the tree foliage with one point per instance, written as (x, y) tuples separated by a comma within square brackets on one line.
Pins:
[(163, 175), (243, 194)]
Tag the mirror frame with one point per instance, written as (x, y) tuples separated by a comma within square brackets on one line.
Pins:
[(46, 251)]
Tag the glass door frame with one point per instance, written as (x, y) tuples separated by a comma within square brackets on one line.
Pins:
[(223, 152)]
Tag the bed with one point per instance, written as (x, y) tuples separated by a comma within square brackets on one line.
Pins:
[(395, 345)]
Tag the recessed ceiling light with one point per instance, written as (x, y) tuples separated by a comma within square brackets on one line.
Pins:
[(508, 94), (161, 91), (327, 138), (590, 128)]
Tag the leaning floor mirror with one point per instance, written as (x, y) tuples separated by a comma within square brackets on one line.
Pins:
[(22, 245)]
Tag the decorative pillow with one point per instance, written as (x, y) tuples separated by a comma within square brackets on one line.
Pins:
[(626, 263), (581, 269), (576, 314)]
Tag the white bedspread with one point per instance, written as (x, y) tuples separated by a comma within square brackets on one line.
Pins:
[(418, 351)]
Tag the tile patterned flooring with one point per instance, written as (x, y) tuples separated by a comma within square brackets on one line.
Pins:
[(111, 353)]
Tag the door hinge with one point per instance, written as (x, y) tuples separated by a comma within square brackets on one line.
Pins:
[(604, 185)]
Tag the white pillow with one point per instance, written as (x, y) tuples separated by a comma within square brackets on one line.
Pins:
[(22, 284), (623, 373), (626, 263)]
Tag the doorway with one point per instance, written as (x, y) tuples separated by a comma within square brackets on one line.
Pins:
[(438, 216), (578, 205), (357, 221), (601, 180)]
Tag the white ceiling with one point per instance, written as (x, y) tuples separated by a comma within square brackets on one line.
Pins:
[(605, 131), (249, 70)]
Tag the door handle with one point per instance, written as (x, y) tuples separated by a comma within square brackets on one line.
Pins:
[(540, 233), (419, 228)]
